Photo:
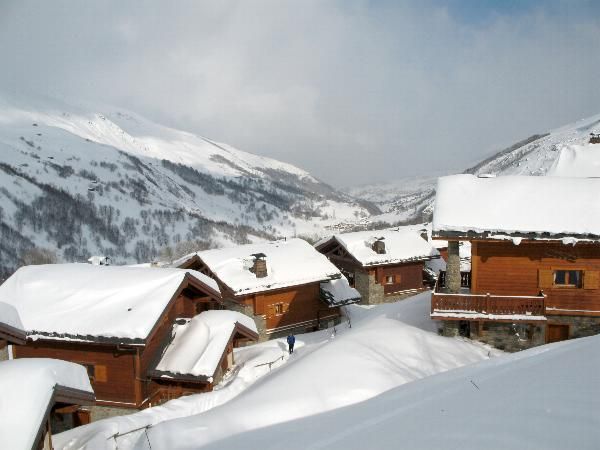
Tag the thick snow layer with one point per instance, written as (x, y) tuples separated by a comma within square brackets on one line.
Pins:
[(387, 345), (9, 316), (515, 204), (338, 292), (378, 353), (400, 246), (546, 398), (82, 300), (289, 263), (198, 344), (26, 389), (577, 161)]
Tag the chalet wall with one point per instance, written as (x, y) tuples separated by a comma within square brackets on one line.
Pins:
[(503, 268), (284, 311), (115, 380), (374, 289)]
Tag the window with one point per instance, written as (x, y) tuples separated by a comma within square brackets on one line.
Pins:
[(278, 308), (389, 279), (91, 370), (568, 278)]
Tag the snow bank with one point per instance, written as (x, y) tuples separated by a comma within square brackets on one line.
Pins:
[(387, 345), (338, 292), (400, 246), (26, 389), (82, 300), (544, 398), (378, 353), (577, 161), (515, 204), (289, 263), (198, 344), (9, 316)]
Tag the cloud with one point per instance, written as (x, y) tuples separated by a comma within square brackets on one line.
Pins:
[(353, 91)]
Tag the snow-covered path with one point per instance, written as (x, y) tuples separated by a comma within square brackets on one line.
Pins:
[(387, 346)]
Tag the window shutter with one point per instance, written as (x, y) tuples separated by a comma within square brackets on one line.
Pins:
[(100, 374), (591, 279), (285, 307), (398, 278), (270, 310), (545, 278)]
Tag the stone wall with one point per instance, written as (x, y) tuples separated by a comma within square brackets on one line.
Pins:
[(3, 352), (580, 326), (105, 412), (371, 292), (510, 337)]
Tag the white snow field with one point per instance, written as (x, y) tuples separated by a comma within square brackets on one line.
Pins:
[(386, 346), (544, 398)]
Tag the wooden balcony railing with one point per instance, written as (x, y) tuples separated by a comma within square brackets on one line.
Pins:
[(501, 305)]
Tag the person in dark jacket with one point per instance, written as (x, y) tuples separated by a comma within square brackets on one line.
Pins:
[(291, 340)]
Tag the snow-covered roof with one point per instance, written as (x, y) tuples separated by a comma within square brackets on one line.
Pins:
[(289, 263), (400, 246), (198, 344), (27, 387), (338, 292), (80, 301), (577, 161), (540, 207)]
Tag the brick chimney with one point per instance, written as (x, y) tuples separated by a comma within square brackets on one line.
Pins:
[(379, 246), (259, 266)]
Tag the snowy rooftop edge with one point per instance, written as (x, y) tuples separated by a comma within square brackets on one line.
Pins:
[(521, 206)]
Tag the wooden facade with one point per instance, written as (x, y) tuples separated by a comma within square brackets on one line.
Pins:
[(281, 310), (547, 283), (387, 280), (119, 369)]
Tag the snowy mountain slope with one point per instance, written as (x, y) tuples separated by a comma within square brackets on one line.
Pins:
[(544, 398), (536, 155), (86, 182)]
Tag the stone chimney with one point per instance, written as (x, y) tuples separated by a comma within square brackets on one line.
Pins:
[(453, 267), (594, 138), (379, 246), (259, 266)]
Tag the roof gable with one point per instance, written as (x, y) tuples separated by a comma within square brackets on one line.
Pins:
[(95, 303), (289, 263), (401, 245)]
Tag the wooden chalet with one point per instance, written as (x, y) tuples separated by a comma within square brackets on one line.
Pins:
[(535, 262), (383, 265), (41, 397), (200, 352), (285, 286), (115, 321)]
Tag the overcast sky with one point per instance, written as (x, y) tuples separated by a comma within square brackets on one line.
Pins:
[(353, 91)]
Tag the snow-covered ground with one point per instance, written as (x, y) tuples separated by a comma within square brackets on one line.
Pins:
[(386, 346), (544, 398)]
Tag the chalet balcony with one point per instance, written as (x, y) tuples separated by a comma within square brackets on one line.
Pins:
[(467, 306)]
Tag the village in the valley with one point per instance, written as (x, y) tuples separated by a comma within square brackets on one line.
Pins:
[(430, 277)]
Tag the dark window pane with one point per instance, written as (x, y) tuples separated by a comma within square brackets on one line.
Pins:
[(560, 277), (575, 277)]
